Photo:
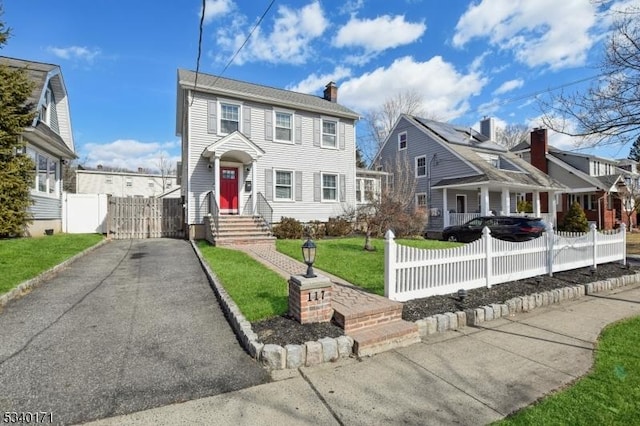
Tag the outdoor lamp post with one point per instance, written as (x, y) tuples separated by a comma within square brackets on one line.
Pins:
[(309, 256)]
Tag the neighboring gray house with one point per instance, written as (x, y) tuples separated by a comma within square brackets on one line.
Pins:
[(462, 173), (49, 141), (249, 149), (124, 184), (600, 185)]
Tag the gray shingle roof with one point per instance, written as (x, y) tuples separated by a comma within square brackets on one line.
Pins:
[(256, 92), (37, 72)]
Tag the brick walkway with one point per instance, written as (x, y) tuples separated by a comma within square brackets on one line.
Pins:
[(350, 301)]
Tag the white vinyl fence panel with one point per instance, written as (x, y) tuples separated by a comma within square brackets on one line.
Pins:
[(412, 273), (84, 213)]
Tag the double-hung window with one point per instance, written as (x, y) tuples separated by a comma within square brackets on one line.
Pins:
[(421, 166), (284, 126), (421, 200), (284, 185), (329, 133), (329, 187), (402, 141), (47, 173), (229, 118)]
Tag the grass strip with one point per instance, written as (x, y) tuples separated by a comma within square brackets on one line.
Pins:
[(259, 292), (24, 258)]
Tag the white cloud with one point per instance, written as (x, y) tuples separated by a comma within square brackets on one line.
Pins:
[(378, 34), (315, 83), (80, 53), (539, 33), (557, 140), (289, 41), (216, 8), (129, 154), (445, 91), (508, 86), (350, 6)]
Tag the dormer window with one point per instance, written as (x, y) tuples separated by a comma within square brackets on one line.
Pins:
[(492, 159), (45, 108)]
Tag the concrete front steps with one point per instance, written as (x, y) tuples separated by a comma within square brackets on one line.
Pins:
[(375, 323), (234, 230)]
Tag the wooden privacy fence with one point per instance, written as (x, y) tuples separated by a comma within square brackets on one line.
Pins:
[(411, 273), (145, 218)]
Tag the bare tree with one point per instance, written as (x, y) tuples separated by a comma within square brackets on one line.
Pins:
[(379, 121), (394, 208), (629, 195), (512, 135), (167, 170), (609, 111)]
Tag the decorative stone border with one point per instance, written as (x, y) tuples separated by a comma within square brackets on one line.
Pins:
[(449, 321), (26, 286), (274, 357)]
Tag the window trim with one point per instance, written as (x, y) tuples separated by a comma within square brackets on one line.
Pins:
[(419, 157), (406, 141), (275, 185), (337, 134), (50, 192), (322, 187), (275, 126), (418, 195), (229, 102)]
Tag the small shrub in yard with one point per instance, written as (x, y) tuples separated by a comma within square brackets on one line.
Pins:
[(575, 220), (525, 206), (339, 226), (288, 228), (316, 230)]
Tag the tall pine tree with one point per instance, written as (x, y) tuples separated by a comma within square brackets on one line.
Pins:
[(634, 152), (17, 170)]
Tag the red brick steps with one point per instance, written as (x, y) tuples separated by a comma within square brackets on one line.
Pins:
[(374, 322)]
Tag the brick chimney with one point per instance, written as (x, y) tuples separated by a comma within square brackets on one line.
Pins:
[(331, 92), (539, 149)]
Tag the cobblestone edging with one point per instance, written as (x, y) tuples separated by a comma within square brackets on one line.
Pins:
[(26, 286), (274, 357), (449, 321)]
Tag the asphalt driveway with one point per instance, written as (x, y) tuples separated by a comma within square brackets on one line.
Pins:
[(132, 325)]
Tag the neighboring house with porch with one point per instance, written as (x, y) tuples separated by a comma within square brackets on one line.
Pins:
[(461, 173), (253, 150), (49, 141), (124, 183), (600, 185)]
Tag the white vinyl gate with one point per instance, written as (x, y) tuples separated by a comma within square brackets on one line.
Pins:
[(84, 213)]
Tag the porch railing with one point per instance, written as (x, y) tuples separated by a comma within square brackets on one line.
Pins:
[(264, 209), (214, 210)]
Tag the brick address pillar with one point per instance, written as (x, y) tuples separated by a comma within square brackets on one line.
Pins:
[(310, 299)]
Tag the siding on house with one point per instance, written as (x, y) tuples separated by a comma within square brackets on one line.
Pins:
[(579, 162), (46, 207), (569, 179), (115, 183), (301, 157)]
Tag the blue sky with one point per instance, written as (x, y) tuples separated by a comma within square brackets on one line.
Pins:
[(466, 59)]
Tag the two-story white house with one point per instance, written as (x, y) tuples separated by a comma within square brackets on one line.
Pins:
[(48, 140), (249, 149), (124, 183)]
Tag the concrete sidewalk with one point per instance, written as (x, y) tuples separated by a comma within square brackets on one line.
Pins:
[(473, 376)]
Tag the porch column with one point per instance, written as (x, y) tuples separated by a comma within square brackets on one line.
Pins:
[(553, 208), (254, 192), (216, 178), (445, 208), (536, 203), (484, 200), (506, 202)]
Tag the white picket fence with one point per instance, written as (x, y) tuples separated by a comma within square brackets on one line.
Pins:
[(412, 273), (462, 218)]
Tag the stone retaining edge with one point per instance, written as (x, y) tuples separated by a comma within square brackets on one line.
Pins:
[(451, 321), (274, 357), (26, 286)]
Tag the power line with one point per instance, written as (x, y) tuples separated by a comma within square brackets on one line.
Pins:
[(246, 40), (195, 83)]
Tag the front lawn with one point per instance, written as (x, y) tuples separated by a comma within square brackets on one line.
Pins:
[(258, 291), (608, 395), (24, 258), (345, 258)]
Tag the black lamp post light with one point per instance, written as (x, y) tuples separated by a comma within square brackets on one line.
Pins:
[(309, 256)]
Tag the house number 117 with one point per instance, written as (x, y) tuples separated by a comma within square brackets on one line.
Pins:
[(315, 296)]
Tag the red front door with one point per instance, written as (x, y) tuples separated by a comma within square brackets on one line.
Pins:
[(228, 190)]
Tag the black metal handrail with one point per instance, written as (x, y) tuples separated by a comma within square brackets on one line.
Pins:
[(264, 209), (214, 210)]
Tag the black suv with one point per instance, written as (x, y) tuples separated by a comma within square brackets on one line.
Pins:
[(508, 228)]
